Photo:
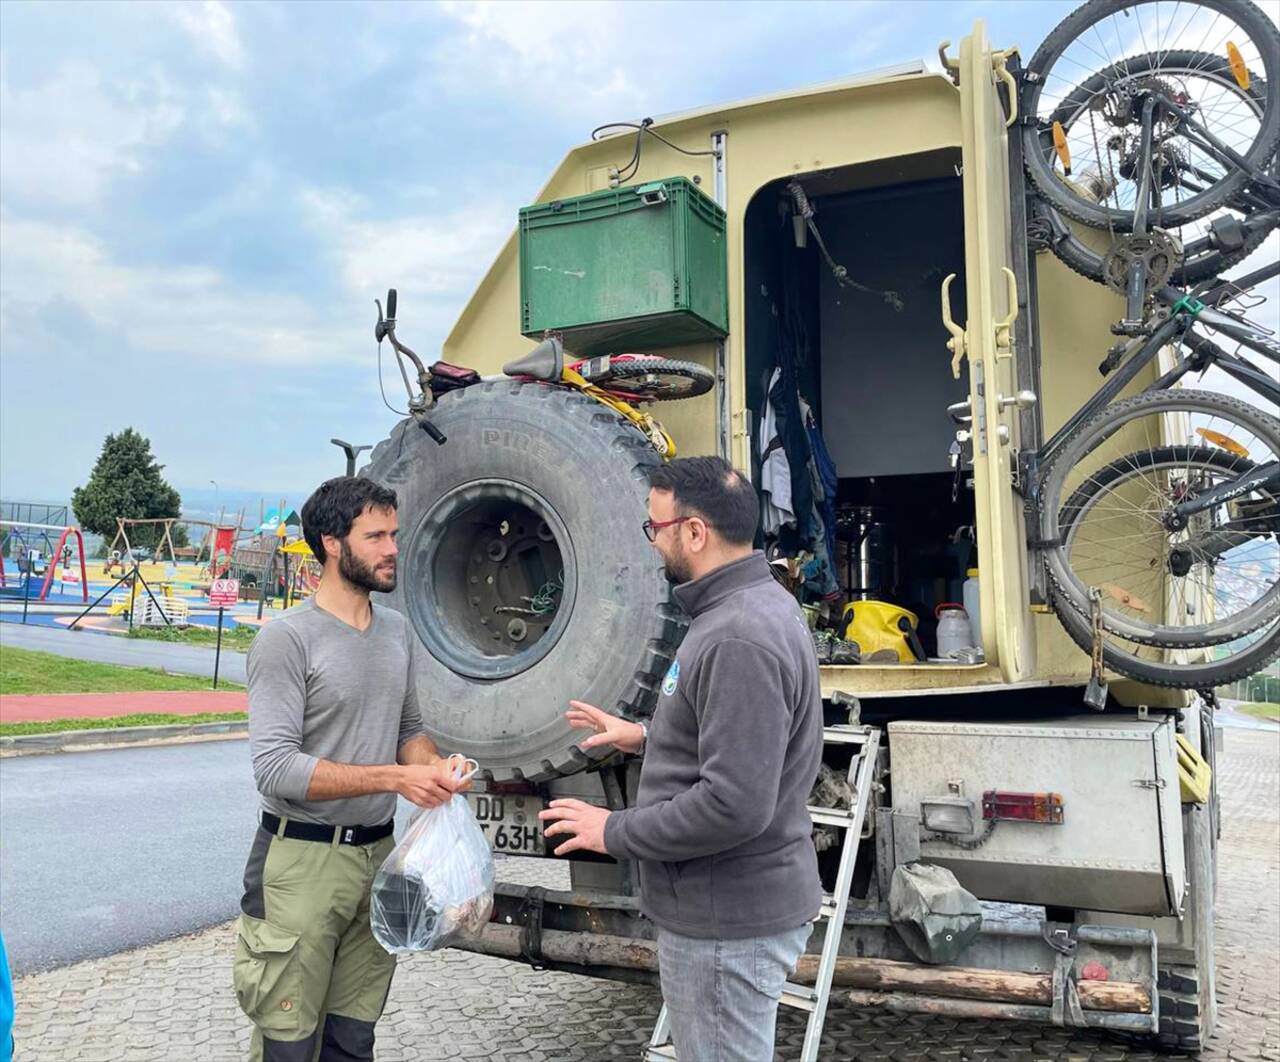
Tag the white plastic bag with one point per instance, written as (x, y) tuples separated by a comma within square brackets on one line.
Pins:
[(436, 883)]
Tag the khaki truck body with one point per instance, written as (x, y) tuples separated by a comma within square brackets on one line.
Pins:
[(917, 177)]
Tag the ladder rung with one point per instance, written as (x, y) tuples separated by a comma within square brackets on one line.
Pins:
[(836, 736), (665, 1053), (828, 908), (802, 997), (831, 817)]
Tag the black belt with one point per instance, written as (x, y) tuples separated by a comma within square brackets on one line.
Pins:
[(316, 831)]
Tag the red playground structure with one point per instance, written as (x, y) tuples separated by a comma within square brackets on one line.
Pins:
[(21, 533)]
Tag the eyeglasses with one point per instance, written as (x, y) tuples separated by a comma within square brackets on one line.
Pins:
[(652, 527)]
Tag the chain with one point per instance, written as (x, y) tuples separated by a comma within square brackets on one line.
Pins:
[(1095, 617), (1097, 154), (971, 844)]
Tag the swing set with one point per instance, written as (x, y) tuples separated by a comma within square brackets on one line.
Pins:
[(25, 541)]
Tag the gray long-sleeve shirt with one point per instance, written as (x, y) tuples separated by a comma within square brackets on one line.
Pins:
[(321, 689), (720, 826)]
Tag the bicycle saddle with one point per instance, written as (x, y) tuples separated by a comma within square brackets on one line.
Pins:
[(543, 362)]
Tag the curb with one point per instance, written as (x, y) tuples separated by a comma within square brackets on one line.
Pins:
[(120, 737)]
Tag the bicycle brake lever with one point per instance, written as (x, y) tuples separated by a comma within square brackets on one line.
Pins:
[(384, 327)]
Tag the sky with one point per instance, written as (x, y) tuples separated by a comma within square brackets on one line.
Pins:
[(199, 202)]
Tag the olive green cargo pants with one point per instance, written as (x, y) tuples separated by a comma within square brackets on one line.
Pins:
[(308, 971)]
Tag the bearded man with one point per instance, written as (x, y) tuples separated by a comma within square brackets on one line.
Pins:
[(335, 734)]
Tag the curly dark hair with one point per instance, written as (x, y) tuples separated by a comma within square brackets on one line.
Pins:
[(334, 506)]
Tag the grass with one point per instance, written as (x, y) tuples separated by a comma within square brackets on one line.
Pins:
[(24, 672), (111, 723), (1259, 710), (235, 638)]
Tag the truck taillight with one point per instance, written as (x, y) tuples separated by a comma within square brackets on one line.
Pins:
[(1022, 807)]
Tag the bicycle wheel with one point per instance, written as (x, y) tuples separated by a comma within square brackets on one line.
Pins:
[(1091, 75), (1212, 579), (655, 379), (1112, 524)]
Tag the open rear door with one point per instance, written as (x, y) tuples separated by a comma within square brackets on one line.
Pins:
[(992, 302)]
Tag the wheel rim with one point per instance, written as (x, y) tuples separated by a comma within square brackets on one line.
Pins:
[(1187, 51), (490, 579), (1135, 577)]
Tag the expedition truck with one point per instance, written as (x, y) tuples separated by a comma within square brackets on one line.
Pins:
[(529, 581)]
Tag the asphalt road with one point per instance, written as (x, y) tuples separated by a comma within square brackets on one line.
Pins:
[(133, 652), (102, 852)]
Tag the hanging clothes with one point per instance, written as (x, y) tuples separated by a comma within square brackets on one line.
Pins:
[(775, 470)]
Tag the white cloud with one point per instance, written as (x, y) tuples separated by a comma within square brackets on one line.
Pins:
[(63, 140), (212, 27), (438, 257), (186, 312)]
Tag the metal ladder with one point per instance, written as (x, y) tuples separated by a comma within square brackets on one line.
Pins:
[(866, 742)]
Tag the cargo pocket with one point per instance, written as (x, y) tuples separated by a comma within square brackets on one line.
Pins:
[(267, 975)]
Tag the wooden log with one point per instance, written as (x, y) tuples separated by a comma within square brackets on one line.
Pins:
[(966, 982), (583, 949), (883, 975)]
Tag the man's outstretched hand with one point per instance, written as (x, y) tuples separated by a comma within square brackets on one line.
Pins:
[(608, 729), (585, 821)]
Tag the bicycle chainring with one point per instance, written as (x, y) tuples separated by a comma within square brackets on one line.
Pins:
[(1160, 252)]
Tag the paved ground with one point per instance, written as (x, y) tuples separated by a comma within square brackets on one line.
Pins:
[(82, 645), (40, 708), (173, 1001)]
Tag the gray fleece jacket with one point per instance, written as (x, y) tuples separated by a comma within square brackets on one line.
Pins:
[(720, 827)]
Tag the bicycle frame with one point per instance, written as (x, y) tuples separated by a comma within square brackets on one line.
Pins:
[(1203, 352)]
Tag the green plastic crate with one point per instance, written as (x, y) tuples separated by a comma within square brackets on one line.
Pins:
[(631, 268)]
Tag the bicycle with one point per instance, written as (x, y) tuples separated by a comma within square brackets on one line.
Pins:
[(618, 382), (1201, 488), (1128, 148)]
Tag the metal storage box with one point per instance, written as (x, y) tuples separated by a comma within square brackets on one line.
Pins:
[(1119, 845), (631, 268)]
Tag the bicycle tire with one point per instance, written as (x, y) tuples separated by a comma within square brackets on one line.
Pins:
[(1182, 676), (1070, 601), (1086, 496), (1261, 31), (675, 380)]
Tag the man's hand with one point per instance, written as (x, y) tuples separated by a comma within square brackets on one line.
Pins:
[(429, 785), (585, 821), (609, 729)]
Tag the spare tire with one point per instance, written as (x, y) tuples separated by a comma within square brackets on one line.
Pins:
[(526, 573)]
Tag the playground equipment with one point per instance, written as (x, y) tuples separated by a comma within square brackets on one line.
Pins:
[(304, 580), (123, 523), (149, 611), (21, 538), (216, 551)]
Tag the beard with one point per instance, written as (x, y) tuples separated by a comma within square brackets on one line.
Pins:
[(362, 575), (675, 566)]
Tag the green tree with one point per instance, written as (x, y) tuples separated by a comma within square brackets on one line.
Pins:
[(126, 481)]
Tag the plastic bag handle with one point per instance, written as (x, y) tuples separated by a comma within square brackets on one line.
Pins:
[(467, 766)]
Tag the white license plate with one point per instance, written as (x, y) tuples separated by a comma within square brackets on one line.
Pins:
[(509, 821)]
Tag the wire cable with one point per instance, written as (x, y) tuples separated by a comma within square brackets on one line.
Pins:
[(625, 173), (382, 390)]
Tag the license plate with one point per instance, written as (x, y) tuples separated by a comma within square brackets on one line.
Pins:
[(509, 821)]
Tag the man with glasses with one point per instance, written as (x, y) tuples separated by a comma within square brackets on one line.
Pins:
[(720, 827)]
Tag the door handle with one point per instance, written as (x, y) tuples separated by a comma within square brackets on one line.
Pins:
[(957, 343)]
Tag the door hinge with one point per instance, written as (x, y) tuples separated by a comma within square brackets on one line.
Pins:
[(1150, 783)]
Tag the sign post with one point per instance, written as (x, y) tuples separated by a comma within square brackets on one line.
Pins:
[(222, 592)]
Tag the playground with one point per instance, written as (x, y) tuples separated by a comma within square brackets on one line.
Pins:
[(47, 580)]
